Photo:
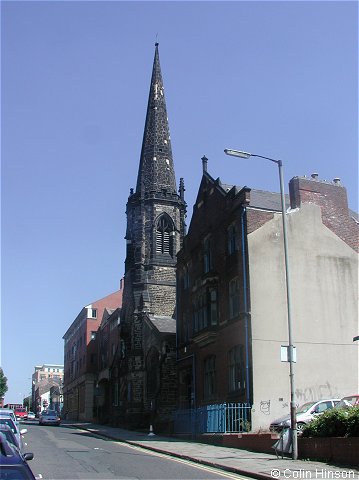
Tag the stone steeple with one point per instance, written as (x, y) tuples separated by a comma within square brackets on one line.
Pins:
[(155, 214), (155, 230), (156, 171)]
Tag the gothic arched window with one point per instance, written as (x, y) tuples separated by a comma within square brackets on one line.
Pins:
[(164, 236)]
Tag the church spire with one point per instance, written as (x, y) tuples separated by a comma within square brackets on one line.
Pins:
[(156, 170)]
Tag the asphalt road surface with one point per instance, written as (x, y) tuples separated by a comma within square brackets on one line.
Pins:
[(70, 453)]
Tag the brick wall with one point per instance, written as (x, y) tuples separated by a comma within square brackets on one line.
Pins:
[(256, 219), (214, 213), (331, 197)]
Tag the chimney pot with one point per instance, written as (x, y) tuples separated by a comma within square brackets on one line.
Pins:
[(314, 175), (336, 180)]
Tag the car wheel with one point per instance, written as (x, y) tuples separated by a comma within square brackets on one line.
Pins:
[(300, 426)]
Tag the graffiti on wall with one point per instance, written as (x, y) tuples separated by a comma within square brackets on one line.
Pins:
[(264, 407), (316, 392)]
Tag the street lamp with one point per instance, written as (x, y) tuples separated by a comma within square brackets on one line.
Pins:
[(293, 408)]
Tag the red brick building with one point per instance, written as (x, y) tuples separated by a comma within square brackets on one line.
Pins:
[(81, 358), (232, 316)]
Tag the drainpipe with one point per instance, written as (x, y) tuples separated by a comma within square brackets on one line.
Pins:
[(245, 299)]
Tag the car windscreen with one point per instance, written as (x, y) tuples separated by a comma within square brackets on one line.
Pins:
[(304, 408), (8, 422), (8, 436), (51, 413)]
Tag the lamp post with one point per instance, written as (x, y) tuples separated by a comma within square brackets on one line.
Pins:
[(293, 408)]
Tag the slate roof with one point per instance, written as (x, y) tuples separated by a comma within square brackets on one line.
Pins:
[(262, 199), (163, 324), (267, 200)]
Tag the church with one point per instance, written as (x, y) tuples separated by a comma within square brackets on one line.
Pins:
[(145, 370), (199, 325)]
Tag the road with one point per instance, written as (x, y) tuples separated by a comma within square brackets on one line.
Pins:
[(70, 453)]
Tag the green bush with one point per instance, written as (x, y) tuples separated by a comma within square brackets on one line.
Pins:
[(336, 422), (353, 422)]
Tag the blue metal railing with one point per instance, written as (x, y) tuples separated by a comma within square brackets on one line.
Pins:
[(216, 418)]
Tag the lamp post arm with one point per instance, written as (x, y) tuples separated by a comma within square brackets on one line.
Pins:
[(278, 162)]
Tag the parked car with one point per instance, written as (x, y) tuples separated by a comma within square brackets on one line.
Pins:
[(49, 417), (349, 401), (7, 434), (305, 414), (13, 464), (30, 415), (8, 412), (15, 429), (21, 413)]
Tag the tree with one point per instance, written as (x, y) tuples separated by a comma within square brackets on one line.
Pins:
[(3, 383)]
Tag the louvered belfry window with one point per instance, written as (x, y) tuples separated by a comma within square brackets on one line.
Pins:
[(164, 236)]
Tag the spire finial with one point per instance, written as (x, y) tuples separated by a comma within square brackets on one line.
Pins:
[(204, 163), (156, 44)]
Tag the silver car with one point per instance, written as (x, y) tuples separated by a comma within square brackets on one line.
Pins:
[(8, 412), (15, 430), (305, 414), (49, 417)]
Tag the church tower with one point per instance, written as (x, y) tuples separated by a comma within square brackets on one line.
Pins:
[(155, 230)]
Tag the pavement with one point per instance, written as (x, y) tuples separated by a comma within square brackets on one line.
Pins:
[(262, 466)]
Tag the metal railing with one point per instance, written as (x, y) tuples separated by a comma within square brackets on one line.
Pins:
[(216, 418)]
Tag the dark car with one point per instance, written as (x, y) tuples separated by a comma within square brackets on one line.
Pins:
[(13, 464)]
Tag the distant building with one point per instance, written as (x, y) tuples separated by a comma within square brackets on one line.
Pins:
[(232, 314), (44, 377), (48, 371), (81, 362)]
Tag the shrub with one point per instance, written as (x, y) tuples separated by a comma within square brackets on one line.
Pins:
[(353, 422), (336, 422)]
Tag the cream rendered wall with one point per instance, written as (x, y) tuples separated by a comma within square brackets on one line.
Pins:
[(324, 292)]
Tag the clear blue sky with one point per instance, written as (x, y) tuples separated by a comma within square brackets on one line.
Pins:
[(275, 78)]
